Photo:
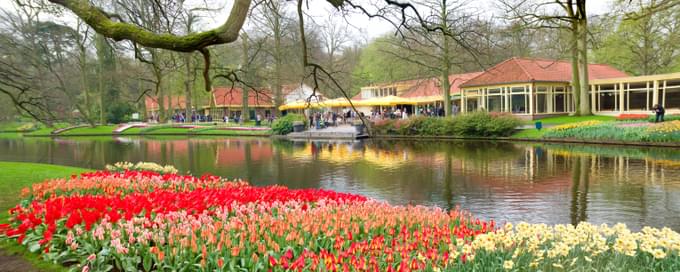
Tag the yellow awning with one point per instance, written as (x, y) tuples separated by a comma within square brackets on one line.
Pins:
[(386, 101), (331, 103)]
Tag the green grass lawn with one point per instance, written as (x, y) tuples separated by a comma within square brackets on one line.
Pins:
[(234, 132), (14, 176), (169, 130), (108, 129), (43, 131), (531, 133), (9, 135), (132, 131), (10, 126)]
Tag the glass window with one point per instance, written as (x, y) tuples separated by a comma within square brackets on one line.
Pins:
[(637, 100), (559, 102), (471, 104), (494, 91), (541, 103), (517, 89), (495, 103), (519, 103), (607, 101), (672, 98)]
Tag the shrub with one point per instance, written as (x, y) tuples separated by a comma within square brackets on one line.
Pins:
[(484, 124), (284, 125), (473, 124), (119, 113)]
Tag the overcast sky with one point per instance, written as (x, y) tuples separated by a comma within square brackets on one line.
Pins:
[(364, 27)]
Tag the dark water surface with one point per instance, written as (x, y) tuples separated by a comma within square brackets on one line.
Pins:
[(538, 183)]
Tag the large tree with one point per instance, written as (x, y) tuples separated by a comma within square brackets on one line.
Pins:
[(640, 45), (561, 14)]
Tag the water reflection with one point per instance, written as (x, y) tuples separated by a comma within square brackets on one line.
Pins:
[(544, 183)]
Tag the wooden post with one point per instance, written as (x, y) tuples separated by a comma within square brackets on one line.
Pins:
[(621, 97), (655, 93), (593, 92), (531, 99)]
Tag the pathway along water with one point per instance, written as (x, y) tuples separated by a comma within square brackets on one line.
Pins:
[(538, 183)]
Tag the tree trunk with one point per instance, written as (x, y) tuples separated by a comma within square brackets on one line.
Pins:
[(584, 102), (575, 74), (278, 95), (187, 85), (160, 97), (446, 63), (245, 115)]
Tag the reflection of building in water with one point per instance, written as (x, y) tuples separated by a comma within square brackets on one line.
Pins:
[(241, 152), (344, 153)]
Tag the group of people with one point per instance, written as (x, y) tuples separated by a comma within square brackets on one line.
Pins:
[(320, 120), (181, 118), (404, 113)]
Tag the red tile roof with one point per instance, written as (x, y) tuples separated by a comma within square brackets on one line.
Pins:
[(432, 87), (518, 70), (178, 102), (233, 97)]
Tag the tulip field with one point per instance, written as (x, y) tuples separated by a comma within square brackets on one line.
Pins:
[(131, 219)]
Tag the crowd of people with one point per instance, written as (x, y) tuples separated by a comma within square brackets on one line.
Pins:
[(404, 112)]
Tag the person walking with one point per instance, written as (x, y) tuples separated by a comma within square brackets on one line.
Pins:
[(660, 112)]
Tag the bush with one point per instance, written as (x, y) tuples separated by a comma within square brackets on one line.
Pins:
[(119, 113), (479, 124), (284, 125)]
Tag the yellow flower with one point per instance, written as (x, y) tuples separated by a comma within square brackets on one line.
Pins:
[(659, 254), (556, 265), (508, 265)]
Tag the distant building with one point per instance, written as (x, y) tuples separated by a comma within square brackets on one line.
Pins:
[(534, 88), (296, 92), (228, 101)]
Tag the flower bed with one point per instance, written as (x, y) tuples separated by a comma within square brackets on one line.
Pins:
[(618, 131), (632, 116), (143, 220)]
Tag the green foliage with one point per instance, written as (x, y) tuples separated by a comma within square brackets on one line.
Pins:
[(480, 124), (284, 125), (118, 113), (98, 130), (379, 64)]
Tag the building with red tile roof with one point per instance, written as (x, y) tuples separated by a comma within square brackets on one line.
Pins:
[(523, 70), (228, 102), (535, 88), (178, 102)]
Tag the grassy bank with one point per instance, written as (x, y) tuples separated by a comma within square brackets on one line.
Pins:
[(533, 133), (18, 175), (13, 177), (206, 129)]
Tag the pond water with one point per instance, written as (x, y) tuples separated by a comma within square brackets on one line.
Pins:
[(538, 183)]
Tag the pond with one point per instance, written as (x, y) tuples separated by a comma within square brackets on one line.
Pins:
[(505, 181)]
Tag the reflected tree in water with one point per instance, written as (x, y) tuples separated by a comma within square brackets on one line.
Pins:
[(579, 188)]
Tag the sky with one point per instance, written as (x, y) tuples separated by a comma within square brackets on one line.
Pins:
[(359, 24)]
